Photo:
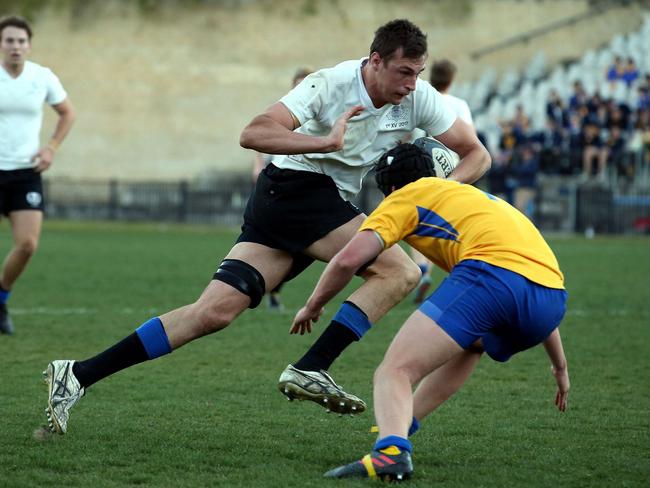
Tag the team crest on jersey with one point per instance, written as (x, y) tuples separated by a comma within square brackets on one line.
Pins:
[(34, 198), (396, 113), (396, 118)]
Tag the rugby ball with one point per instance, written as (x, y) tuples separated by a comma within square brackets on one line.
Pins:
[(444, 159)]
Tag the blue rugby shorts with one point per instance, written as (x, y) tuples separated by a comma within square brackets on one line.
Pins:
[(506, 310)]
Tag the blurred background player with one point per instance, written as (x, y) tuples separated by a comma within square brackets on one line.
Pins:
[(442, 76), (24, 87), (262, 161), (504, 294)]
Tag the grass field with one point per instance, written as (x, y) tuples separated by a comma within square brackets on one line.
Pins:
[(210, 414)]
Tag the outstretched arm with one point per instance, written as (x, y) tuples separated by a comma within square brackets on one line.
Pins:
[(363, 247), (555, 351), (273, 133)]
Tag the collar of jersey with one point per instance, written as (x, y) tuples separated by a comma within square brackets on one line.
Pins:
[(5, 76), (363, 93)]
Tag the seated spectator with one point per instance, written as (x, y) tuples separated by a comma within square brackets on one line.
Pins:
[(524, 169), (511, 137), (556, 111), (615, 149), (583, 114), (499, 179), (617, 117), (599, 113), (594, 103), (593, 150), (575, 136), (615, 71), (521, 123), (550, 144), (579, 96), (644, 98), (645, 136), (631, 73), (640, 139)]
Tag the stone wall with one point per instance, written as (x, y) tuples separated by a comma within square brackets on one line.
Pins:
[(166, 97)]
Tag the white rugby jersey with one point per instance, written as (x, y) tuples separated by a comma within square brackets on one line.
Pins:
[(322, 97), (21, 112)]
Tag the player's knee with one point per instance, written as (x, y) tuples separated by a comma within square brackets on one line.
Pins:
[(27, 246), (412, 275), (395, 367), (244, 278), (214, 317), (401, 272), (405, 277)]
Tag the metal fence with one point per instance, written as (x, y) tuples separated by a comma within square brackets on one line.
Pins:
[(566, 204), (562, 203), (215, 201)]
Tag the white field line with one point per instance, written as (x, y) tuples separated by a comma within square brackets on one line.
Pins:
[(614, 312), (77, 311)]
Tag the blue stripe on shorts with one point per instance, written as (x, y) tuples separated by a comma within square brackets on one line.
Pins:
[(506, 310)]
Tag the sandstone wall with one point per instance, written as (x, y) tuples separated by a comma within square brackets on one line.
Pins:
[(166, 97)]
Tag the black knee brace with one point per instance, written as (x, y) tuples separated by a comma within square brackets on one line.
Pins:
[(243, 277)]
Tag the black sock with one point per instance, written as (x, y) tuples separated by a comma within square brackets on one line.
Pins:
[(331, 343), (128, 352)]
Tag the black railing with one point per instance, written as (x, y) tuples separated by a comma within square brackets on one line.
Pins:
[(562, 203)]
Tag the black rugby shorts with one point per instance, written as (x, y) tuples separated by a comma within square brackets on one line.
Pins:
[(20, 189), (290, 210)]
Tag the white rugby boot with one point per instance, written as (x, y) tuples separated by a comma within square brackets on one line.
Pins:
[(63, 392), (318, 387)]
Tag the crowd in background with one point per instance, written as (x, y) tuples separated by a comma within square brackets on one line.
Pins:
[(597, 139)]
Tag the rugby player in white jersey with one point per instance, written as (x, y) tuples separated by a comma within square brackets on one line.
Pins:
[(24, 88), (334, 126)]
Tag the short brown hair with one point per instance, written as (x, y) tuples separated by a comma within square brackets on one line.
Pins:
[(396, 34), (442, 74), (15, 21)]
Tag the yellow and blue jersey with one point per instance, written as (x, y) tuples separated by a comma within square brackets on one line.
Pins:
[(450, 222)]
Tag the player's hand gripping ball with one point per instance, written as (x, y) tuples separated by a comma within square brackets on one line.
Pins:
[(444, 159)]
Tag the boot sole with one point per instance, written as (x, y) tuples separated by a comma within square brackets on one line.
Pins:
[(332, 403)]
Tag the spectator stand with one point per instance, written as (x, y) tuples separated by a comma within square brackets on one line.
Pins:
[(563, 137)]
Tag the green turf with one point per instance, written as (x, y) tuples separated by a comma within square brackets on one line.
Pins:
[(210, 415)]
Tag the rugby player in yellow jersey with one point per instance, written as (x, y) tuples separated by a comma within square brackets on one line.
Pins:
[(504, 294)]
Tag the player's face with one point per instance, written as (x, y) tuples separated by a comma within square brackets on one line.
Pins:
[(15, 46), (397, 77)]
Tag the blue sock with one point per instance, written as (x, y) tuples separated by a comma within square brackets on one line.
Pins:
[(154, 339), (394, 440), (4, 295), (415, 425), (353, 318)]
